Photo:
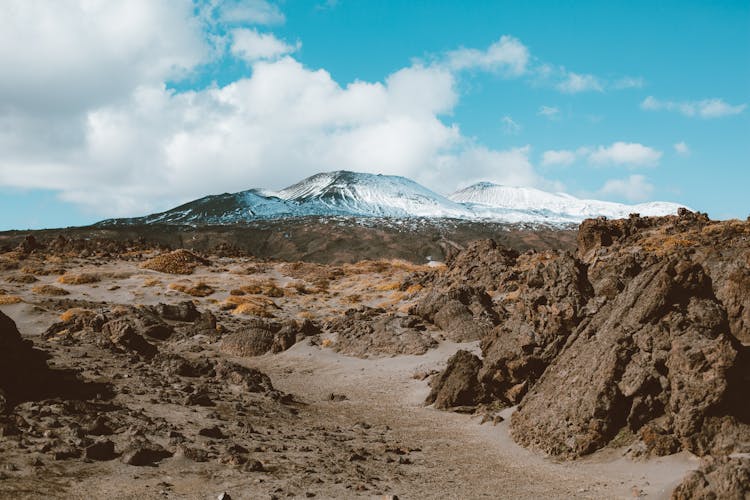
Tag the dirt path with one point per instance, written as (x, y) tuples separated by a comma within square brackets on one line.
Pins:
[(459, 457)]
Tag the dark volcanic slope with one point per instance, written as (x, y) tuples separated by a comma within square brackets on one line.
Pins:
[(323, 240)]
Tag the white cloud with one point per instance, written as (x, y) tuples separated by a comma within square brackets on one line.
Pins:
[(706, 108), (510, 126), (575, 83), (510, 167), (635, 188), (550, 112), (629, 82), (507, 55), (86, 110), (630, 154), (559, 157), (65, 55), (625, 153), (682, 149), (284, 122), (252, 46), (248, 11)]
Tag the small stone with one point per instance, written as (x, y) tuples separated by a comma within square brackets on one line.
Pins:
[(212, 432), (101, 450)]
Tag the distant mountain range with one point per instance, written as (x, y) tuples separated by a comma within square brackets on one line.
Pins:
[(353, 194)]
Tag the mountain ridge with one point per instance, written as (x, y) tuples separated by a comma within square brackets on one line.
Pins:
[(356, 194)]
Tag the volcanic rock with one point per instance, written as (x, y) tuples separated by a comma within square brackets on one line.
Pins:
[(458, 384), (370, 331), (725, 478)]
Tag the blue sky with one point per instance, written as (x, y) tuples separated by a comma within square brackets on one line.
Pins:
[(127, 108)]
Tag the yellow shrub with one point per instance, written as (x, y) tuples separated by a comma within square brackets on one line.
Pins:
[(9, 299), (75, 313), (199, 290), (49, 290), (78, 279)]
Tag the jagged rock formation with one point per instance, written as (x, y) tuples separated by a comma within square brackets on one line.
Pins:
[(725, 477), (368, 331), (638, 334)]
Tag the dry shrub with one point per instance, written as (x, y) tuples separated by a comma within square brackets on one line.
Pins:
[(75, 313), (413, 289), (151, 282), (199, 290), (305, 315), (311, 272), (7, 264), (177, 262), (327, 343), (388, 287), (354, 298), (301, 288), (381, 266), (267, 288), (10, 299), (117, 275), (251, 269), (50, 290), (78, 279), (41, 270), (21, 278), (237, 292), (255, 305)]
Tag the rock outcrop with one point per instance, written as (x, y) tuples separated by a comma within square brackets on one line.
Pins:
[(368, 331), (639, 334)]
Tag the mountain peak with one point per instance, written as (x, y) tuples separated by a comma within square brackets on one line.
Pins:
[(359, 194)]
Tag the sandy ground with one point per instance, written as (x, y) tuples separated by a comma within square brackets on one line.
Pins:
[(444, 455)]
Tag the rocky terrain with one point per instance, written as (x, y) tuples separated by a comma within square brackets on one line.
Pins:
[(325, 240), (619, 368)]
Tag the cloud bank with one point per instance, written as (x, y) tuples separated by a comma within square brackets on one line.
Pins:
[(88, 111)]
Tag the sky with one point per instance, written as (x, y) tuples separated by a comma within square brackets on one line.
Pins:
[(123, 108)]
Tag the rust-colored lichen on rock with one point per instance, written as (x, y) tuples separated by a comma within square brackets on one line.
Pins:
[(177, 262)]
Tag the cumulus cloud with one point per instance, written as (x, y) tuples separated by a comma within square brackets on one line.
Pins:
[(625, 153), (249, 45), (87, 111), (65, 55), (574, 83), (510, 126), (558, 157), (550, 112), (682, 149), (507, 55), (629, 82), (630, 154), (247, 11), (635, 188), (706, 108)]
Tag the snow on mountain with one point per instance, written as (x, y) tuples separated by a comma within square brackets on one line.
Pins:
[(520, 204), (353, 194)]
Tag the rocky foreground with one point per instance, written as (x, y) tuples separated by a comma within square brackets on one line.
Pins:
[(136, 372), (640, 340)]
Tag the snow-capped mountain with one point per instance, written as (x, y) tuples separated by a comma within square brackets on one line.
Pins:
[(353, 194), (520, 204)]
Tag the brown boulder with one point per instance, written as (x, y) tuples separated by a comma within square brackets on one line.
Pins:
[(458, 384), (721, 478), (660, 350), (369, 331)]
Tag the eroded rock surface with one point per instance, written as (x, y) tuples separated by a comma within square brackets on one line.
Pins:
[(639, 334), (370, 331)]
